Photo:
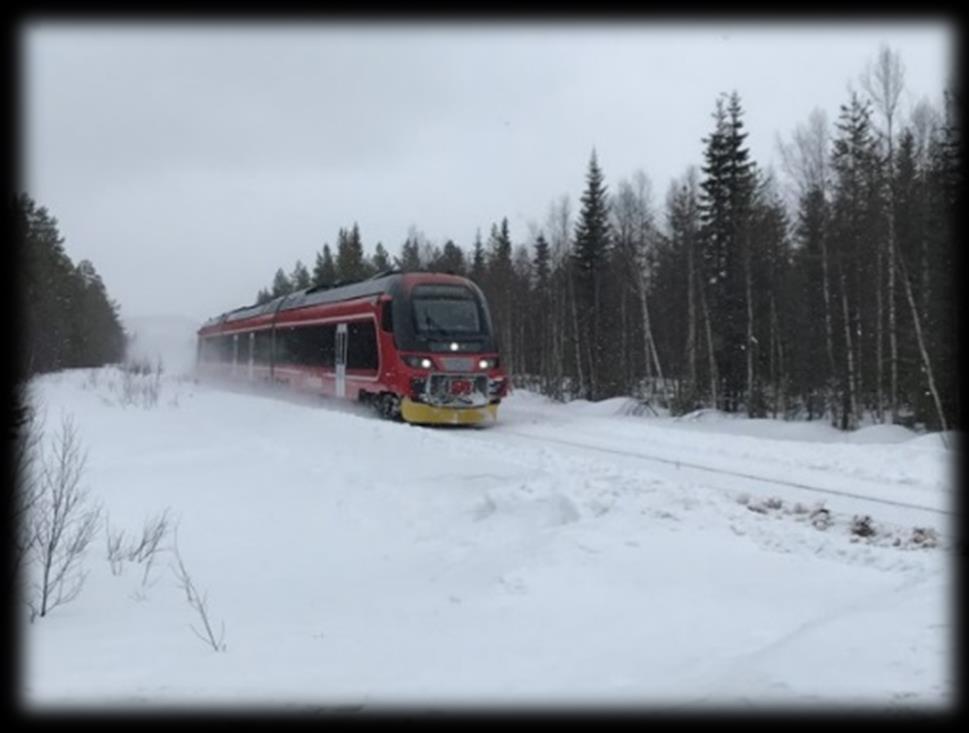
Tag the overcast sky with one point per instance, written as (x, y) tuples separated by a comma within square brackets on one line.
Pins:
[(188, 162)]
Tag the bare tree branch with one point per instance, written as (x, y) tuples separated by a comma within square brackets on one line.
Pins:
[(198, 602), (63, 522)]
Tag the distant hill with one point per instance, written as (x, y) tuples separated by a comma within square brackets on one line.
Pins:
[(169, 337)]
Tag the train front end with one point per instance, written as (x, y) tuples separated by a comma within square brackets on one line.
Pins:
[(450, 367)]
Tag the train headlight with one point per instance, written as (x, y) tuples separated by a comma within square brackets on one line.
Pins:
[(421, 362), (489, 363)]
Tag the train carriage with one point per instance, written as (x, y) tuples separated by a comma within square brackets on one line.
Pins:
[(419, 346)]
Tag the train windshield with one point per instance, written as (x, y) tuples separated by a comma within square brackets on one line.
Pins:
[(445, 310)]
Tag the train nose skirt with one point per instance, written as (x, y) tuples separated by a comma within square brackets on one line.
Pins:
[(459, 390), (424, 414)]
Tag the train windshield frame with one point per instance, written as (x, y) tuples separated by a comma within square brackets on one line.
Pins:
[(447, 312)]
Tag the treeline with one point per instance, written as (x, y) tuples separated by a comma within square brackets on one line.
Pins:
[(835, 302), (66, 317)]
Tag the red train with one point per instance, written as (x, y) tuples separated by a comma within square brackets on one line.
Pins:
[(419, 346)]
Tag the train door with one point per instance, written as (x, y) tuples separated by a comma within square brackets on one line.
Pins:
[(235, 352), (341, 360), (252, 351)]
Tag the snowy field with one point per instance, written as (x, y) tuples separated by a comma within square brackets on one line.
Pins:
[(569, 555)]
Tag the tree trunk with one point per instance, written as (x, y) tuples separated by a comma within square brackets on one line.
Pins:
[(647, 327), (772, 369), (781, 392), (879, 400), (710, 352), (828, 328), (623, 359), (926, 362), (859, 362), (748, 287), (850, 407), (691, 317), (892, 325), (578, 338)]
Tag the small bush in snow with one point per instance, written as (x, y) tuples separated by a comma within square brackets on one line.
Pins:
[(821, 518), (142, 551), (769, 504), (139, 366), (925, 537), (140, 382), (152, 533), (92, 379), (743, 498), (116, 552), (862, 527)]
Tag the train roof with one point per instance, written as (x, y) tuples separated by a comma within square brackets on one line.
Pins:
[(383, 282)]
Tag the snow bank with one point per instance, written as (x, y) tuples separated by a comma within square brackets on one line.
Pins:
[(361, 563)]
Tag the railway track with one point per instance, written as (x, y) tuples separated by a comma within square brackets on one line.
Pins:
[(938, 513)]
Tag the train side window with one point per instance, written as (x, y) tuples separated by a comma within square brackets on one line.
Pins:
[(387, 316), (307, 345), (295, 343), (262, 349), (327, 345), (283, 351), (243, 348), (226, 348), (362, 346)]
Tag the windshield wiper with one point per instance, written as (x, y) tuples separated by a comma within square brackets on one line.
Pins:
[(432, 324)]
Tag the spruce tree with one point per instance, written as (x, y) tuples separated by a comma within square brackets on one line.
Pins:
[(590, 256), (410, 256), (300, 277), (478, 269), (68, 319), (541, 315), (451, 259), (281, 284), (381, 259), (100, 335), (725, 208), (813, 363), (854, 241), (499, 286), (324, 272), (350, 261)]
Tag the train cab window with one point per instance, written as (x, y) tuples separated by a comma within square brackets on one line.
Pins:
[(445, 310), (387, 316), (361, 345)]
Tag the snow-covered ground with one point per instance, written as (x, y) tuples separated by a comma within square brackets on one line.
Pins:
[(569, 555)]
